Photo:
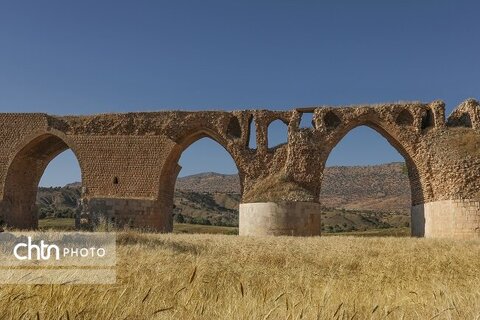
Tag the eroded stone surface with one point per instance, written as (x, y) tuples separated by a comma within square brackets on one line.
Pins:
[(135, 155)]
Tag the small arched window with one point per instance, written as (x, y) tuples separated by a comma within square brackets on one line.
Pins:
[(252, 136), (404, 118), (277, 133), (234, 129), (331, 120), (465, 120), (428, 119), (306, 120)]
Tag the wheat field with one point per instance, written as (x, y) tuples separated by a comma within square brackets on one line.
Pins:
[(183, 276)]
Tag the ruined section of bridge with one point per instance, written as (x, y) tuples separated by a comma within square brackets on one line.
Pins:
[(129, 163)]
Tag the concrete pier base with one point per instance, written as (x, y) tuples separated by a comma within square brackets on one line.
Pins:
[(447, 219), (280, 219)]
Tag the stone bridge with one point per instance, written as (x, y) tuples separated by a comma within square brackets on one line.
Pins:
[(129, 163)]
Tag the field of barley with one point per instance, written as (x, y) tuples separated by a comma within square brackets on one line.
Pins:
[(185, 276)]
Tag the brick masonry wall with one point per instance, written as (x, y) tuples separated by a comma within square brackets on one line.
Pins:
[(144, 214), (132, 158), (122, 166), (15, 130)]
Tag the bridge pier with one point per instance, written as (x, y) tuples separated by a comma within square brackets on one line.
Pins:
[(22, 216), (447, 219), (135, 213), (280, 219)]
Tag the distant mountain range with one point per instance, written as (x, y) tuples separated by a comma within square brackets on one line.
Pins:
[(379, 187), (357, 197), (209, 182)]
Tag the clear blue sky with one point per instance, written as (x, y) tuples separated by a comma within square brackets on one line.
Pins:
[(83, 57)]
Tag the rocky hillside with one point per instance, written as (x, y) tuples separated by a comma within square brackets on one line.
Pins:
[(213, 208), (209, 182), (59, 202), (378, 188), (355, 198)]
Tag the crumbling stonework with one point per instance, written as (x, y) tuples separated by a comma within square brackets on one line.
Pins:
[(129, 162)]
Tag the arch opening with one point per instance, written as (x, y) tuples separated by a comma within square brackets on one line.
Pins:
[(277, 134), (462, 119), (331, 120), (202, 189), (465, 120), (252, 133), (43, 186), (234, 130), (404, 118), (306, 120), (368, 184), (428, 119)]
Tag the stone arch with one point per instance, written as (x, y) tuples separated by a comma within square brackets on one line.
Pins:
[(171, 169), (416, 186), (465, 115), (26, 166)]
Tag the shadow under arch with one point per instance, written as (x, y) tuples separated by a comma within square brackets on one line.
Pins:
[(29, 160), (171, 169), (416, 187)]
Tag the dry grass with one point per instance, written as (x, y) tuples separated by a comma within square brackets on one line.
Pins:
[(199, 228), (227, 277)]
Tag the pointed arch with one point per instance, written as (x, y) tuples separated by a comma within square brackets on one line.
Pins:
[(171, 169), (416, 185), (25, 169)]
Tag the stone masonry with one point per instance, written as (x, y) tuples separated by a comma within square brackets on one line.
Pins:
[(129, 162)]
